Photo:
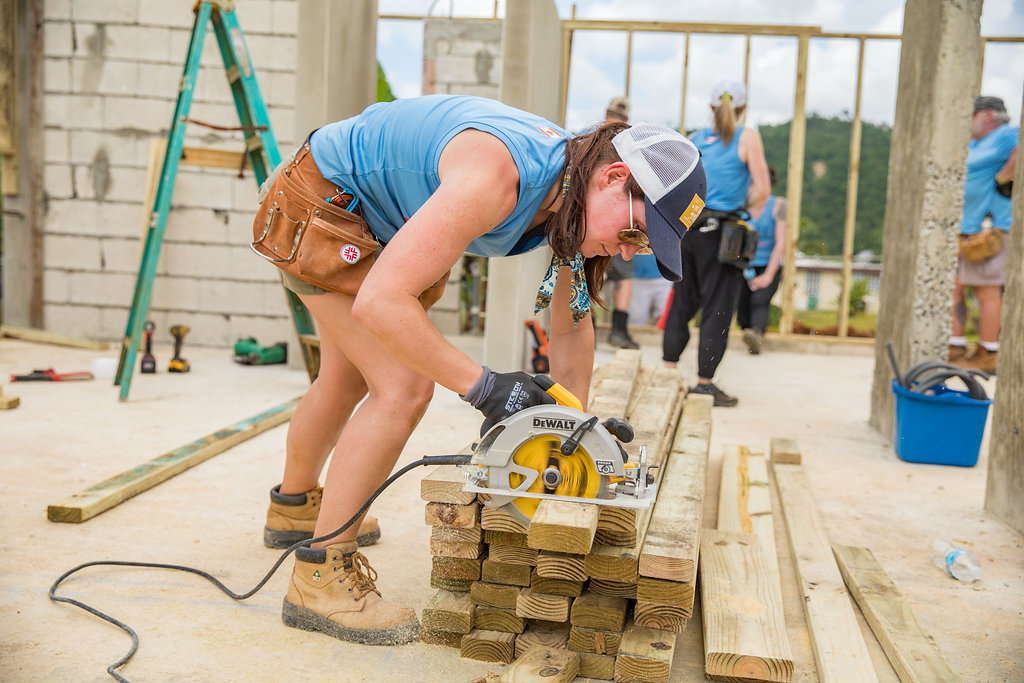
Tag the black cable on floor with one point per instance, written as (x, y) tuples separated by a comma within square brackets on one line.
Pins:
[(426, 460)]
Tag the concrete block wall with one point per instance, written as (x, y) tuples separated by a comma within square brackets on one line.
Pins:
[(112, 69)]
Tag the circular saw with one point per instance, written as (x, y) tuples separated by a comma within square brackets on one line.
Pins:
[(558, 452)]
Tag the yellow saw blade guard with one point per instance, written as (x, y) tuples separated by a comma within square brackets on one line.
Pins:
[(579, 476)]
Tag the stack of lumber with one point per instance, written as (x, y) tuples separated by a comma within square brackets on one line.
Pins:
[(611, 586)]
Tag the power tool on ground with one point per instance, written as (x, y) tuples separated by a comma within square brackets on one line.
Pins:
[(558, 452), (148, 363), (539, 361), (178, 364), (248, 351)]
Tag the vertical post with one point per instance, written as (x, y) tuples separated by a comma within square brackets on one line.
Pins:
[(629, 59), (851, 201), (938, 72), (746, 80), (1006, 441), (794, 184), (531, 46), (686, 73), (566, 63)]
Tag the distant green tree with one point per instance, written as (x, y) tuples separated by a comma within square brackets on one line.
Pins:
[(384, 93), (826, 167)]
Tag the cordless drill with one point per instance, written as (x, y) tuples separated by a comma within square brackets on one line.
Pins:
[(178, 364), (148, 363)]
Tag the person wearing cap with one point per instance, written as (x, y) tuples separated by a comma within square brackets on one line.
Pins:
[(434, 177), (737, 176), (991, 157), (765, 274), (620, 274)]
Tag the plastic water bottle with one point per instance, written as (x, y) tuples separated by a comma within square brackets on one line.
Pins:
[(957, 562)]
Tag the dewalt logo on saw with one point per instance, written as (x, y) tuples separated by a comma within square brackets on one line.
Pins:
[(554, 423)]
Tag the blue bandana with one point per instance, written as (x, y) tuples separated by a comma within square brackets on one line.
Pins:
[(579, 299)]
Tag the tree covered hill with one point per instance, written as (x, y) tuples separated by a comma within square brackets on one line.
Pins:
[(826, 165)]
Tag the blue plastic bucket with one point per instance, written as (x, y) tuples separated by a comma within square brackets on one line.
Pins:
[(944, 429)]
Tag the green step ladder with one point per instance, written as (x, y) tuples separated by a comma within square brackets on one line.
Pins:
[(261, 150)]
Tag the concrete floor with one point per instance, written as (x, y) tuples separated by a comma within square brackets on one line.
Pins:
[(66, 437)]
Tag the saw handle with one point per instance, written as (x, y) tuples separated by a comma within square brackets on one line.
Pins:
[(562, 396)]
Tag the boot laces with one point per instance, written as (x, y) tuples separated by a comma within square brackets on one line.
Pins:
[(362, 574)]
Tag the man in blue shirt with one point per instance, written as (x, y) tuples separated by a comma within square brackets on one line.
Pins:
[(991, 157)]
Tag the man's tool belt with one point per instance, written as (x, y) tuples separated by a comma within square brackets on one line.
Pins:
[(738, 243), (981, 246), (302, 233)]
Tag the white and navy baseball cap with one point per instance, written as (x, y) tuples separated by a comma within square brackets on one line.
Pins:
[(668, 168)]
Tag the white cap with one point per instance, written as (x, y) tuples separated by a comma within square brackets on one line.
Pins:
[(668, 168), (729, 88)]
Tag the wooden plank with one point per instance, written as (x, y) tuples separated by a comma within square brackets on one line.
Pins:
[(444, 638), (566, 566), (503, 537), (486, 594), (488, 646), (44, 337), (531, 605), (493, 519), (601, 667), (662, 592), (839, 649), (443, 484), (447, 514), (661, 617), (672, 541), (744, 503), (448, 534), (543, 634), (741, 605), (563, 526), (469, 551), (204, 157), (728, 490), (8, 402), (498, 619), (510, 554), (543, 664), (616, 526), (119, 488), (601, 612), (448, 612), (911, 650), (509, 574), (450, 584), (541, 584), (594, 640), (618, 589), (455, 568), (645, 654), (785, 451)]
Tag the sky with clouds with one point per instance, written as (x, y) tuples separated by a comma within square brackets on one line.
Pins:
[(598, 70)]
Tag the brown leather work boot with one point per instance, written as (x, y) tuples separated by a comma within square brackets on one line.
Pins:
[(332, 590), (956, 353), (982, 359), (292, 518)]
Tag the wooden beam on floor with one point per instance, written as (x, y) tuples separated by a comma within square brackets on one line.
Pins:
[(911, 650), (785, 451), (840, 653), (43, 337), (119, 488), (744, 629)]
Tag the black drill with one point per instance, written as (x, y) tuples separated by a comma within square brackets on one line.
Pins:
[(178, 364)]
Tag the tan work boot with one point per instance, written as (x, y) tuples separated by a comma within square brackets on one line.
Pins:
[(292, 518), (957, 353), (753, 339), (332, 590), (982, 359)]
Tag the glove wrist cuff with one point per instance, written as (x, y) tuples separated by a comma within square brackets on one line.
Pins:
[(481, 389)]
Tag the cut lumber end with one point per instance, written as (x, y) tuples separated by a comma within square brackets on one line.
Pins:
[(785, 451), (540, 663), (9, 402)]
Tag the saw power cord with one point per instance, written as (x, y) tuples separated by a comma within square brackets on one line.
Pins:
[(460, 459)]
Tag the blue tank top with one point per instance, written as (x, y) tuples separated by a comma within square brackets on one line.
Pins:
[(765, 226), (728, 176), (984, 159), (388, 157)]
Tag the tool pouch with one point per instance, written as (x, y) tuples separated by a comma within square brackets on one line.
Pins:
[(980, 246), (303, 234), (738, 243)]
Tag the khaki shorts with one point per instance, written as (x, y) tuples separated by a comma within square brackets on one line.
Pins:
[(988, 273), (428, 298)]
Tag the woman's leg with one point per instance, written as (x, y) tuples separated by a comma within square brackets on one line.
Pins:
[(375, 434)]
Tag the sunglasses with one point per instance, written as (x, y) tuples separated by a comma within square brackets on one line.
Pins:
[(635, 237)]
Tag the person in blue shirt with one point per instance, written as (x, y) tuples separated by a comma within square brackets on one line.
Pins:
[(752, 313), (737, 175), (432, 178), (650, 291), (991, 157)]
